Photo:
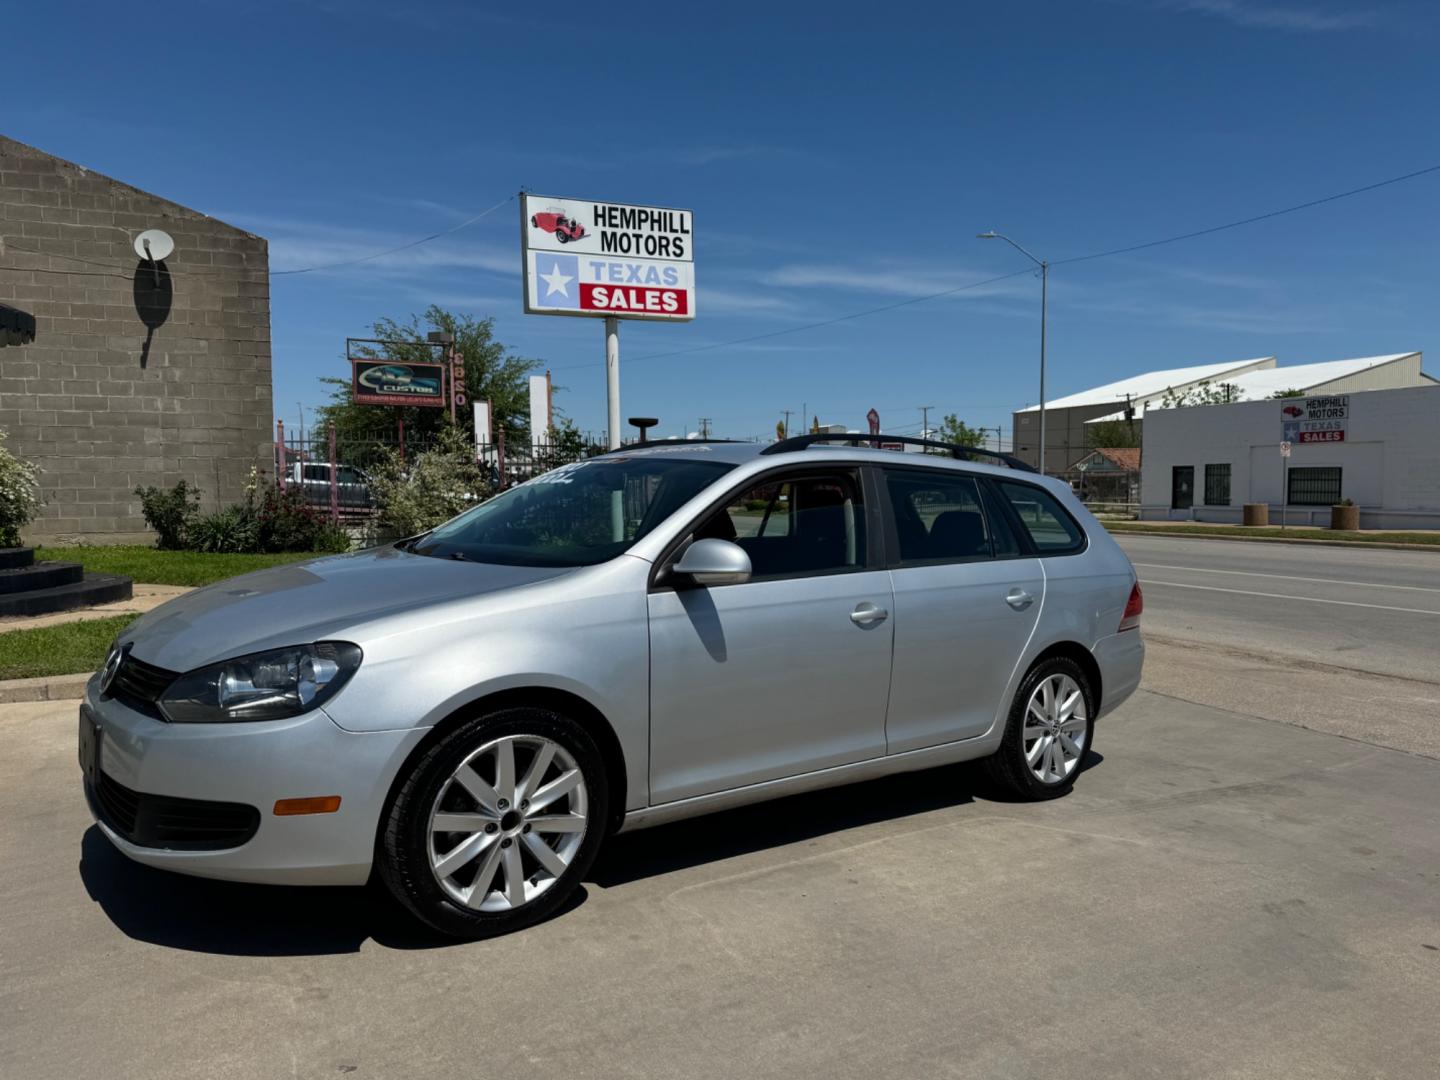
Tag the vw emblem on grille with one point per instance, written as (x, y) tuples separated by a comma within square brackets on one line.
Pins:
[(112, 665)]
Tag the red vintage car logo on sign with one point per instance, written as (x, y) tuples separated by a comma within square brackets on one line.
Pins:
[(554, 221), (1293, 410)]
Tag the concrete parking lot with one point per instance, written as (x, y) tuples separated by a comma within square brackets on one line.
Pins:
[(1225, 894)]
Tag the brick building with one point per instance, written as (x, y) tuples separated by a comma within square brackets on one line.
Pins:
[(139, 372)]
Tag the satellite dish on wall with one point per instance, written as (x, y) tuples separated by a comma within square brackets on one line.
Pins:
[(152, 245)]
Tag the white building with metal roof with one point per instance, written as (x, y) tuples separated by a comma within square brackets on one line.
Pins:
[(1067, 417)]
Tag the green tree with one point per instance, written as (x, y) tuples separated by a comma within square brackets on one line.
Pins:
[(1292, 392), (954, 430), (1111, 433), (492, 373), (1202, 393)]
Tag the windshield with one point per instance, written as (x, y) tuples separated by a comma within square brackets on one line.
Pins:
[(575, 515)]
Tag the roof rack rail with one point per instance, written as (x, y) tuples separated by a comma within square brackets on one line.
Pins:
[(646, 444), (960, 453)]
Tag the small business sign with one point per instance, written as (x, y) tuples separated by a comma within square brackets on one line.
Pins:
[(395, 382), (596, 259), (1316, 419)]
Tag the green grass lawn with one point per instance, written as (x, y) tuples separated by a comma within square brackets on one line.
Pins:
[(153, 567), (59, 650), (1293, 532)]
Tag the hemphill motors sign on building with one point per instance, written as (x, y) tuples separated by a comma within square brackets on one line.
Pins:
[(599, 259), (1316, 419)]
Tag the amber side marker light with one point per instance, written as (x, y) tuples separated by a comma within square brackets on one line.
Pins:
[(320, 804)]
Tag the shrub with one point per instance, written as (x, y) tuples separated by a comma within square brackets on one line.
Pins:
[(170, 513), (431, 487), (19, 495), (231, 530)]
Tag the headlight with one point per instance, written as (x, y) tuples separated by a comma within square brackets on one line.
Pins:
[(263, 686)]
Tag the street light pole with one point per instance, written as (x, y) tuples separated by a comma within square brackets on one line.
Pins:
[(1044, 304)]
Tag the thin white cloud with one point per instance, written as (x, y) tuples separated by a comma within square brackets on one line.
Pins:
[(896, 279), (1308, 18)]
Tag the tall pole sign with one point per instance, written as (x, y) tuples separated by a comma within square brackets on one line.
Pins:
[(608, 261)]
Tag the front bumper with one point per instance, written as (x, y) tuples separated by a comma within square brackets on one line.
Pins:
[(257, 764), (1121, 658)]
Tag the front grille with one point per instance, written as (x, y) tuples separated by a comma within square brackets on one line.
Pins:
[(162, 821), (139, 685)]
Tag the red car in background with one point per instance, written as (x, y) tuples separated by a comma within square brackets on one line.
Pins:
[(555, 221)]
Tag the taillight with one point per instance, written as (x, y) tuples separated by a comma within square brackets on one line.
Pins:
[(1133, 607)]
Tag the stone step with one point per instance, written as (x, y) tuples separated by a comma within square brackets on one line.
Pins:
[(41, 575), (92, 589), (10, 558)]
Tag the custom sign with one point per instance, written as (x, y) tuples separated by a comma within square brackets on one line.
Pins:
[(1316, 419), (393, 382), (592, 259)]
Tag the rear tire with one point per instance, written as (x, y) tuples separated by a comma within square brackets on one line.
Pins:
[(525, 797), (1050, 728)]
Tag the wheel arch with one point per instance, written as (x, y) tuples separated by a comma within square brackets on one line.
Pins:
[(1074, 651), (546, 697)]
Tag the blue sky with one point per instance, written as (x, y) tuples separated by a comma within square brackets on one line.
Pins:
[(837, 158)]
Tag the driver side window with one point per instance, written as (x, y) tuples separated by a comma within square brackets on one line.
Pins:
[(796, 526)]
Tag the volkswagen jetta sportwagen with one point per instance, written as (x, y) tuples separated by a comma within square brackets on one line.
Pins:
[(654, 633)]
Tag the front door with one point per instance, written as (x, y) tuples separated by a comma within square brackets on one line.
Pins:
[(966, 603), (787, 673), (1182, 487)]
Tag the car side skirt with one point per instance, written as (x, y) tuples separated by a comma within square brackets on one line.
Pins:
[(870, 769)]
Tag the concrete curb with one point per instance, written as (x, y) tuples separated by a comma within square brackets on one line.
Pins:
[(45, 688), (1383, 545)]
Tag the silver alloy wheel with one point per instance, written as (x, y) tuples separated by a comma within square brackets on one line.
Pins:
[(1055, 729), (507, 823)]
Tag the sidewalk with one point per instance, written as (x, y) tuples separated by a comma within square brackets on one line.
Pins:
[(145, 598), (1402, 540)]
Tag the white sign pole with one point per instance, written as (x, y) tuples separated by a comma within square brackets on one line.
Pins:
[(612, 377)]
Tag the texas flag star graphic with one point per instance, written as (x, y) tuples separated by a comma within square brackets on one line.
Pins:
[(558, 280)]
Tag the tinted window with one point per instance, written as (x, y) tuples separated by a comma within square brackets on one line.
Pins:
[(938, 517), (317, 472), (800, 525), (575, 515), (1051, 529)]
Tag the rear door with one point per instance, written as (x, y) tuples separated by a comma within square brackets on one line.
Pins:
[(967, 599)]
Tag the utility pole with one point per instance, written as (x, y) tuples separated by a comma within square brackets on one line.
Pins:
[(787, 421), (704, 427), (1044, 267), (924, 420)]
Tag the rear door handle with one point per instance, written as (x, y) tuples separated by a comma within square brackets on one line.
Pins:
[(1019, 599), (867, 614)]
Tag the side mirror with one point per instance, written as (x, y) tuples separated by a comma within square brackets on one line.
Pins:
[(715, 562)]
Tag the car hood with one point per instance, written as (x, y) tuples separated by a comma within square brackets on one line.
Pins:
[(311, 601)]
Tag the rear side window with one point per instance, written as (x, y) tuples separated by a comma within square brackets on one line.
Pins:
[(938, 517), (1051, 528)]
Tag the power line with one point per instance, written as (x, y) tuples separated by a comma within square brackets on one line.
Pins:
[(1249, 220), (1059, 262), (403, 247)]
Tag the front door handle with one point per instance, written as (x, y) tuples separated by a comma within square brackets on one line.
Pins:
[(1019, 599), (867, 614)]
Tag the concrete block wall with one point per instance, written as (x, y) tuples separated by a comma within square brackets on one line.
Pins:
[(101, 401)]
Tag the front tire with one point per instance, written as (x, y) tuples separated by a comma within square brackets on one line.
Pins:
[(1050, 727), (496, 823)]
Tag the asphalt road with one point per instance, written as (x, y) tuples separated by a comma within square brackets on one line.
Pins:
[(1337, 639), (1219, 897)]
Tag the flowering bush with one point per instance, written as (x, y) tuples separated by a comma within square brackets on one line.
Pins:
[(431, 487), (19, 495)]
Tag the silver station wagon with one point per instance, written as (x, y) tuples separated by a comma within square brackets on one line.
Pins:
[(658, 632)]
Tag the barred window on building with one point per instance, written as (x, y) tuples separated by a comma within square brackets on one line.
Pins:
[(1313, 486), (1217, 485)]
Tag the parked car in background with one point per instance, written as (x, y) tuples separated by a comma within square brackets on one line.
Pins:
[(651, 634), (313, 478)]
